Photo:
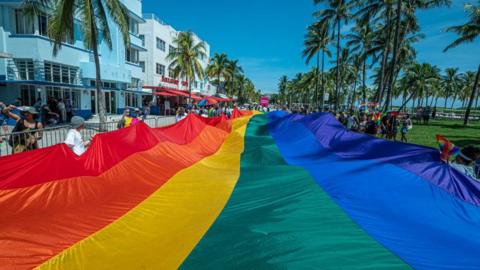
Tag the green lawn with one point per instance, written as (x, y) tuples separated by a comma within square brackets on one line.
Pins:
[(453, 130)]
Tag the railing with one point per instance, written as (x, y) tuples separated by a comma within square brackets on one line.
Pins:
[(49, 136), (451, 114)]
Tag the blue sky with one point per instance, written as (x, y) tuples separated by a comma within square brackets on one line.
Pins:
[(267, 35)]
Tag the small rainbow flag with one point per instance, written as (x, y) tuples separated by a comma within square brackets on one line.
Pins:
[(447, 149)]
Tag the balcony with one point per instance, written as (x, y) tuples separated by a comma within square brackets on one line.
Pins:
[(108, 72), (40, 47)]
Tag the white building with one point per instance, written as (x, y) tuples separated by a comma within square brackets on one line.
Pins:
[(158, 40), (31, 71)]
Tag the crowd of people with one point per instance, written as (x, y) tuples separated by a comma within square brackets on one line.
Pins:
[(205, 111), (387, 125), (29, 122)]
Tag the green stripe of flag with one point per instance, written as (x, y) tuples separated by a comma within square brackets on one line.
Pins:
[(279, 218)]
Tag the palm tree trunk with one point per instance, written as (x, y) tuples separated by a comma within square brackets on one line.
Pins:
[(218, 83), (337, 83), (404, 96), (323, 83), (382, 92), (472, 97), (316, 80), (381, 78), (386, 49), (239, 95), (406, 101), (364, 83), (453, 101), (98, 81), (446, 98), (354, 94), (394, 56), (190, 82)]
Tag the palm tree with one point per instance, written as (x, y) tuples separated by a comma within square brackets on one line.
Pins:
[(241, 79), (218, 68), (295, 88), (185, 59), (233, 71), (466, 85), (282, 89), (405, 9), (373, 11), (356, 62), (317, 40), (468, 32), (93, 17), (418, 78), (333, 15), (361, 39), (450, 83), (250, 93)]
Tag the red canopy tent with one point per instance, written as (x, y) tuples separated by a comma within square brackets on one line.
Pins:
[(211, 101), (172, 92), (165, 94)]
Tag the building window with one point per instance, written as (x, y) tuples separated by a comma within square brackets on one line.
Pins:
[(60, 73), (171, 49), (24, 69), (160, 44), (142, 65), (134, 84), (142, 38), (65, 76), (131, 55), (160, 69), (132, 26), (171, 74), (43, 24), (105, 85), (70, 96), (24, 24), (27, 93), (130, 100)]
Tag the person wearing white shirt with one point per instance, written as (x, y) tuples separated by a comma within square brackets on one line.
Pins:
[(74, 138)]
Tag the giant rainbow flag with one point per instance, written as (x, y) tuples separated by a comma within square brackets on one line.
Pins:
[(259, 191)]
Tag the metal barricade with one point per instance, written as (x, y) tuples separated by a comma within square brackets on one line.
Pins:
[(48, 136)]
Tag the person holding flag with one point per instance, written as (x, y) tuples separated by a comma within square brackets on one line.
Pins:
[(466, 160)]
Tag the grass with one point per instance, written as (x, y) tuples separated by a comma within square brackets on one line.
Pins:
[(453, 130)]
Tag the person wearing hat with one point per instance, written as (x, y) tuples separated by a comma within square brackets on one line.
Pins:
[(138, 117), (128, 120), (74, 138), (466, 159), (26, 131)]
